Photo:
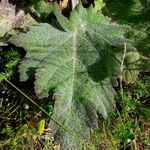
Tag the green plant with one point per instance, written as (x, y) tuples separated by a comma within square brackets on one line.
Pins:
[(10, 62), (126, 126), (78, 69), (136, 14)]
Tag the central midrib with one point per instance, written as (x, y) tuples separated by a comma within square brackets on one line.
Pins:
[(74, 55), (74, 58)]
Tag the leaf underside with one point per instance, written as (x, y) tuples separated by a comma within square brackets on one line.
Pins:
[(77, 63)]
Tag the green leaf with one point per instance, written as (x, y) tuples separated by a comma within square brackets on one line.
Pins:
[(133, 64), (76, 63), (10, 62), (145, 64), (41, 126), (136, 14), (131, 69), (98, 5), (42, 8)]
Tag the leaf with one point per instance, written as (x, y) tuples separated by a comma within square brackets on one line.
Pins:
[(42, 8), (9, 19), (98, 5), (145, 64), (133, 65), (136, 14), (41, 126), (76, 63), (131, 69)]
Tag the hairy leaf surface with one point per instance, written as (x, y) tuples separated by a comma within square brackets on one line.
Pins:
[(76, 63), (130, 71)]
